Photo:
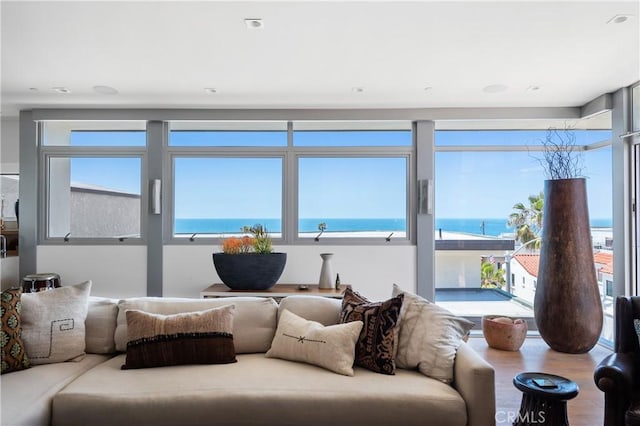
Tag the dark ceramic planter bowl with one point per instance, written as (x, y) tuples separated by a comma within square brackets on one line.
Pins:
[(249, 271)]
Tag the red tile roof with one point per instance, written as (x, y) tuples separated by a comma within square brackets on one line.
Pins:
[(603, 257), (529, 262)]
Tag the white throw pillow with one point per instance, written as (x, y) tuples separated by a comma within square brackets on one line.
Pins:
[(429, 336), (332, 347), (53, 323)]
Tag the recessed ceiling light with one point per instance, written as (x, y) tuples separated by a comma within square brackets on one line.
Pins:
[(495, 88), (211, 90), (61, 89), (357, 89), (254, 23), (619, 19), (105, 90)]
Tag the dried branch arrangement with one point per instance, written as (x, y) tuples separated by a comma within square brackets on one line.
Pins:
[(561, 158)]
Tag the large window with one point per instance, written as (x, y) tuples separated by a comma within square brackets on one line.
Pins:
[(306, 181), (94, 197), (488, 215), (221, 195), (93, 174), (365, 197)]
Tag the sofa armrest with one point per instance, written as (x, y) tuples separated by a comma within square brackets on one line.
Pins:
[(474, 378), (616, 376)]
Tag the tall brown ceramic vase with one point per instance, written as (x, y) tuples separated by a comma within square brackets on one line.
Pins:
[(567, 305)]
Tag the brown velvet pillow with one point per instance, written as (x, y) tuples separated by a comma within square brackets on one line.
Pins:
[(14, 355), (378, 342), (203, 337)]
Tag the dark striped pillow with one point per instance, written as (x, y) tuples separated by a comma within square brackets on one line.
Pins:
[(203, 337), (378, 342)]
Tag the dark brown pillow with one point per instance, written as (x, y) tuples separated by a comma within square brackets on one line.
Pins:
[(203, 337), (378, 342), (14, 355)]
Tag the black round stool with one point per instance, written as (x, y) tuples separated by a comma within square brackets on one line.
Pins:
[(544, 398)]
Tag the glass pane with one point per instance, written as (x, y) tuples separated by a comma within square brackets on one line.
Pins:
[(108, 138), (226, 138), (94, 197), (228, 133), (481, 256), (353, 197), (94, 133), (353, 138), (511, 137), (599, 184), (221, 195)]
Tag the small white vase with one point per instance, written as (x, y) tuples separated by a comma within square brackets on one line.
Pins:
[(326, 273)]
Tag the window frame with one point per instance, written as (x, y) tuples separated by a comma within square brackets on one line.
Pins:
[(47, 152), (290, 155), (359, 152), (174, 153)]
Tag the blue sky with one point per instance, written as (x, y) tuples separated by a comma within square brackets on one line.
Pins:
[(468, 184), (488, 184)]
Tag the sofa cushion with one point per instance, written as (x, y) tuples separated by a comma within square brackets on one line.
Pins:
[(377, 344), (14, 355), (53, 327), (26, 395), (331, 347), (429, 336), (254, 321), (100, 325), (325, 310), (202, 337), (255, 391)]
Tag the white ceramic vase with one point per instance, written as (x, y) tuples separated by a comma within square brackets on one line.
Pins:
[(326, 273)]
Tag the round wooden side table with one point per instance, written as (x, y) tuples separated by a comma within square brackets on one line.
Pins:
[(544, 398)]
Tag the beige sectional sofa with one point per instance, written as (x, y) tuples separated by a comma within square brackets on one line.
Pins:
[(255, 390)]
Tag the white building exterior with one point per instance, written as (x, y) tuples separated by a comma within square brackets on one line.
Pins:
[(524, 276)]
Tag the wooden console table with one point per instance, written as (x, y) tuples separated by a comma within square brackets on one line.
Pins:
[(277, 292)]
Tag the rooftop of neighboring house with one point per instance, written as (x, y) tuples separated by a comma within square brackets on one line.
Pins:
[(529, 262)]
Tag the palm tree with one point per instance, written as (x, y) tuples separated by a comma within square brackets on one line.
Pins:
[(490, 276), (528, 220)]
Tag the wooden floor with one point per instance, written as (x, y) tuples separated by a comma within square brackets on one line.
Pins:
[(587, 409)]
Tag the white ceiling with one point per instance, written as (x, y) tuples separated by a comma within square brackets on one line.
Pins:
[(313, 54)]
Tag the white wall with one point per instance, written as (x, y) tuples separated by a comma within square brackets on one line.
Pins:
[(116, 271), (9, 145), (523, 283), (9, 273), (458, 269), (120, 271), (371, 270)]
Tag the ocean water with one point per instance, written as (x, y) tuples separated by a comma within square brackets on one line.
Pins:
[(217, 226), (490, 227)]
